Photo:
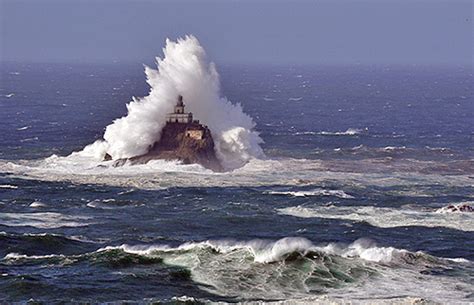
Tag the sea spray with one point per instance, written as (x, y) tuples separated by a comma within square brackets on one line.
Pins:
[(184, 70)]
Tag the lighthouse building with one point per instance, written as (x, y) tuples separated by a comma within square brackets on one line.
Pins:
[(179, 116), (192, 128)]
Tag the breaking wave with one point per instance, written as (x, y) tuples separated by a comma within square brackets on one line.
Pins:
[(296, 266), (270, 270), (267, 252), (185, 71)]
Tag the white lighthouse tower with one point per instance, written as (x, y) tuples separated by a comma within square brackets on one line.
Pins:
[(179, 116)]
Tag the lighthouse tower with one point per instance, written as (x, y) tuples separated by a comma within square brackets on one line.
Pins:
[(179, 116)]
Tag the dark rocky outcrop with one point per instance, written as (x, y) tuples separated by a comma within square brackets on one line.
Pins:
[(183, 139), (186, 142)]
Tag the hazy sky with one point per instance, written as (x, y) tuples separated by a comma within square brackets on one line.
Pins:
[(295, 32)]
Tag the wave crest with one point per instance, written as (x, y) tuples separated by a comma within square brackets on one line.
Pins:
[(184, 70)]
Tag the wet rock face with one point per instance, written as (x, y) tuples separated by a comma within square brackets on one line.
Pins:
[(188, 142)]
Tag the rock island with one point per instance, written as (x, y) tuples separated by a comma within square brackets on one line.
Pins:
[(183, 138)]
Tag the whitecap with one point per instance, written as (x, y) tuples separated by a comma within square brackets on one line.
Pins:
[(394, 148), (358, 147), (305, 133), (103, 204), (295, 99), (462, 207), (458, 260), (18, 256), (348, 132), (46, 220), (37, 204), (8, 186), (184, 300), (220, 265), (29, 139), (384, 217), (267, 251), (315, 192)]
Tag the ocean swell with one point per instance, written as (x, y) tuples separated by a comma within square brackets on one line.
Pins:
[(275, 269)]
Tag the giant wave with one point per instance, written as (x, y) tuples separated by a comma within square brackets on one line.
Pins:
[(184, 70)]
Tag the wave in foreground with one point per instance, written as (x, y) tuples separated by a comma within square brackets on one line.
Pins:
[(290, 266)]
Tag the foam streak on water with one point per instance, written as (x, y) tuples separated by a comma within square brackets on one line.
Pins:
[(386, 217)]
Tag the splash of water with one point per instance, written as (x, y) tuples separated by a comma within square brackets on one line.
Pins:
[(184, 70)]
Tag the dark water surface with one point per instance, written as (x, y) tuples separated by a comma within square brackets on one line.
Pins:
[(346, 207)]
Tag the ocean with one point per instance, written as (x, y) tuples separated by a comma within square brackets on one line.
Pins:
[(345, 205)]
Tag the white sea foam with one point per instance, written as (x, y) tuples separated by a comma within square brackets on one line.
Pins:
[(158, 174), (295, 99), (37, 204), (266, 251), (348, 271), (366, 250), (29, 139), (462, 207), (348, 132), (18, 256), (394, 148), (8, 186), (46, 220), (439, 149), (184, 70), (267, 265), (385, 217), (315, 192), (105, 204), (458, 260), (358, 147), (184, 299)]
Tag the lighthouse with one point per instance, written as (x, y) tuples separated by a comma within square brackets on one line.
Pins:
[(182, 138), (179, 116)]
